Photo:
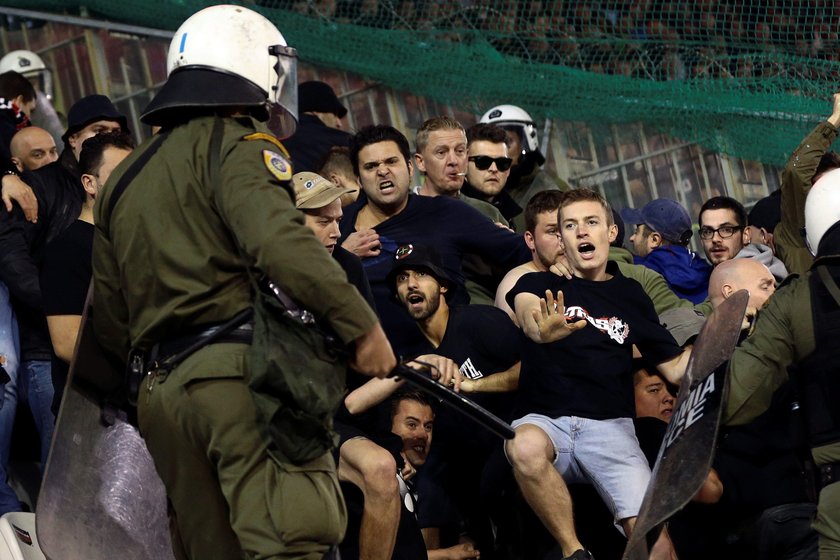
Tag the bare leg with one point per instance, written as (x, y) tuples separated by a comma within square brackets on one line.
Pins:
[(374, 471), (531, 454), (663, 548)]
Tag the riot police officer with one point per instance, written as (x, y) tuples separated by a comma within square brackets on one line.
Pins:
[(800, 327), (180, 225)]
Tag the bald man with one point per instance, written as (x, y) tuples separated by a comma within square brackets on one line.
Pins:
[(742, 274), (33, 147)]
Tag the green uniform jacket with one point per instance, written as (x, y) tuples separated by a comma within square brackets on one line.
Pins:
[(167, 260), (783, 335), (796, 182)]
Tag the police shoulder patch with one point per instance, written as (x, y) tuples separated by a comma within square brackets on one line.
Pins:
[(277, 165), (268, 138)]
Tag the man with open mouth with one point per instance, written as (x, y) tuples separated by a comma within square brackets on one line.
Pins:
[(484, 344), (389, 214), (576, 383)]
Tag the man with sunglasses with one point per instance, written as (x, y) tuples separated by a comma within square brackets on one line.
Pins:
[(723, 231), (488, 168)]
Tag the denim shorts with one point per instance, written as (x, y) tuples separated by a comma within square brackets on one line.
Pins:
[(604, 453)]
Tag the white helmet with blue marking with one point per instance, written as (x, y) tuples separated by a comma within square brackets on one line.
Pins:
[(229, 56)]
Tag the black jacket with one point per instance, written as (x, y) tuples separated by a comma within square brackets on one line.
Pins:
[(311, 143), (60, 198)]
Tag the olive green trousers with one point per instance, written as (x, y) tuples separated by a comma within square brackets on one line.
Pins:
[(228, 498)]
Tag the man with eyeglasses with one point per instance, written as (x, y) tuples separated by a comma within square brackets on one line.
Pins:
[(488, 169), (723, 231)]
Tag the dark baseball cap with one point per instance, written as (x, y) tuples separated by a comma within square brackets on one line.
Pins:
[(319, 97), (664, 216), (417, 257), (767, 212), (90, 109)]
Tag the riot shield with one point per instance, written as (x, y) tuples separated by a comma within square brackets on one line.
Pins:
[(101, 497), (687, 450)]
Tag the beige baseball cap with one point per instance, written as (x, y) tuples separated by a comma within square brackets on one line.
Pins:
[(313, 191)]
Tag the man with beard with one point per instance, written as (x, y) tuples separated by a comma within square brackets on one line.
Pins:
[(576, 394), (380, 156), (484, 345), (723, 231)]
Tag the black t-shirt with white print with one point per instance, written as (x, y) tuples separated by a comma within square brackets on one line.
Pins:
[(483, 341), (589, 373)]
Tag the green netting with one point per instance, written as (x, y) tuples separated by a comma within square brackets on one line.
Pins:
[(743, 77)]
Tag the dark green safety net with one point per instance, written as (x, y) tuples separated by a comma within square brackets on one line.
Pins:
[(743, 77)]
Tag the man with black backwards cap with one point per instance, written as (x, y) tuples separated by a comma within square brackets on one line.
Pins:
[(319, 128), (58, 189), (660, 241), (484, 344), (180, 226), (797, 331)]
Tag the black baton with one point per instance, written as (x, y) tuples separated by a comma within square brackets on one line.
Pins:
[(455, 401)]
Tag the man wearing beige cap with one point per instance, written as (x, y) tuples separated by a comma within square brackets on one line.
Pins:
[(320, 202)]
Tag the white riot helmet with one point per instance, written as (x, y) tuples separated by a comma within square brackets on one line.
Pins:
[(511, 117), (229, 56), (31, 66), (822, 209)]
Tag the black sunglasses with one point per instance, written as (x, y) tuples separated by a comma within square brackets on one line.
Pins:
[(483, 163)]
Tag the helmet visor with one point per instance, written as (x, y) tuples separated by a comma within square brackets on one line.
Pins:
[(283, 109)]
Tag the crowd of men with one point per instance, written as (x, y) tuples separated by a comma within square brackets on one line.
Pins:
[(492, 277)]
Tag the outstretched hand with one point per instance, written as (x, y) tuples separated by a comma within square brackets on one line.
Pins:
[(551, 319)]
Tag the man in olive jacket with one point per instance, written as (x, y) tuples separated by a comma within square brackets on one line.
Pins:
[(799, 327)]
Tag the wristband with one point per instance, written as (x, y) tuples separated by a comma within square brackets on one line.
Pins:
[(11, 172)]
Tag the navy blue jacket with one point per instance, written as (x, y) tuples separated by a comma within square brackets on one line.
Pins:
[(686, 273), (453, 228)]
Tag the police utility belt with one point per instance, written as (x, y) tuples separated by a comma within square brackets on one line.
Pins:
[(167, 355)]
